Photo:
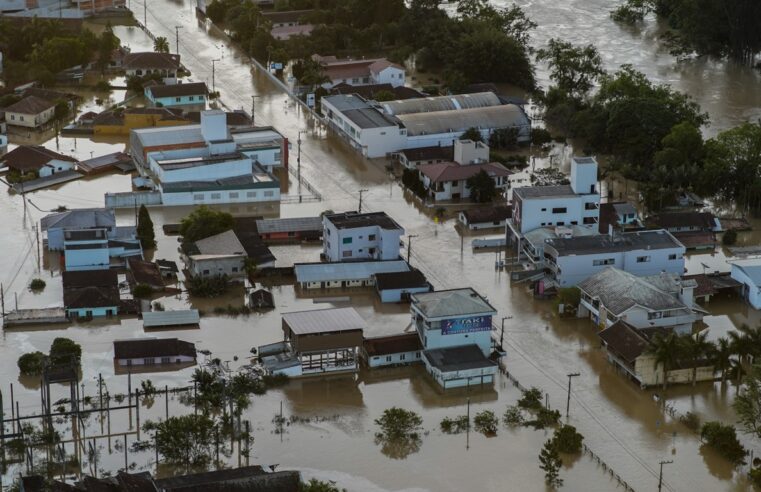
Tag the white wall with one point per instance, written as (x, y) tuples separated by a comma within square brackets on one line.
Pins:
[(29, 120), (222, 196), (385, 243), (173, 359), (389, 75), (56, 166), (87, 259), (431, 335), (394, 359), (536, 213), (750, 291), (207, 172), (233, 267)]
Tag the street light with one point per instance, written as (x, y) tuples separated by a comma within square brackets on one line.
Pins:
[(177, 38), (660, 475), (213, 74), (568, 400), (409, 245)]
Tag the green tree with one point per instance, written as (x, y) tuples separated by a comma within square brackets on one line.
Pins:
[(531, 399), (696, 349), (723, 438), (64, 351), (31, 364), (37, 284), (314, 485), (185, 440), (203, 222), (721, 355), (573, 68), (667, 351), (549, 462), (486, 423), (473, 134), (145, 232), (161, 45), (567, 439), (384, 95), (399, 432), (747, 403), (482, 187), (142, 291), (733, 164)]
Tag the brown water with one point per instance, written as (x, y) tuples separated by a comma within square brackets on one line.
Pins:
[(621, 423)]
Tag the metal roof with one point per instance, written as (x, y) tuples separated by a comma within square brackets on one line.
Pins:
[(224, 243), (449, 303), (180, 134), (171, 318), (459, 120), (359, 111), (82, 218), (461, 358), (441, 103), (751, 268), (355, 270), (293, 224), (544, 191), (631, 241), (324, 320)]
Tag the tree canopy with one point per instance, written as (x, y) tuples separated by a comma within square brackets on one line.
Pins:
[(145, 232), (204, 222)]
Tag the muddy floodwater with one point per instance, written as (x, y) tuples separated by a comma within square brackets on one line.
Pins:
[(622, 424)]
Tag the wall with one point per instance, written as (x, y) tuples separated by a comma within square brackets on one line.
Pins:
[(393, 359), (271, 194), (197, 102), (87, 259), (749, 291), (395, 295), (233, 267), (651, 375), (431, 336), (389, 75), (174, 359), (29, 120), (459, 379), (206, 172), (92, 312), (385, 244), (536, 213), (55, 166), (132, 199)]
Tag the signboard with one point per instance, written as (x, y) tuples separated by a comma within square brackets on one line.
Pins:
[(466, 325), (276, 66), (310, 99)]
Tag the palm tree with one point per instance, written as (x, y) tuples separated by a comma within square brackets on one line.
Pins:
[(161, 45), (721, 354), (666, 349), (696, 347), (742, 342)]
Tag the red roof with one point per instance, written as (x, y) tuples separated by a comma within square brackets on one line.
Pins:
[(32, 158), (452, 171)]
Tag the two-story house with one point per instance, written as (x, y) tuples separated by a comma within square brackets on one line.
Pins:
[(350, 236), (188, 96), (145, 63)]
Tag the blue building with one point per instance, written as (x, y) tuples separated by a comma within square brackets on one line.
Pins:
[(189, 96), (91, 294), (92, 249)]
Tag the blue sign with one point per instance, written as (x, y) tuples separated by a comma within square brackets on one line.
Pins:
[(465, 325)]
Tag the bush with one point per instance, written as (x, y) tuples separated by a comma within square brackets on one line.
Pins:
[(486, 423), (723, 438), (454, 426), (540, 136), (729, 238), (691, 420), (412, 181), (398, 423), (142, 291), (567, 439), (544, 418), (755, 476), (513, 416), (472, 133), (315, 485), (31, 364), (102, 86), (37, 284), (64, 350), (204, 222), (531, 399), (207, 287)]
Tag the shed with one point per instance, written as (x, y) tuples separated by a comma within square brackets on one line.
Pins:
[(171, 319), (398, 286), (353, 274), (145, 273), (262, 299), (404, 348), (153, 351)]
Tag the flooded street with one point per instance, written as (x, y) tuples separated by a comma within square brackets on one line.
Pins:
[(620, 422)]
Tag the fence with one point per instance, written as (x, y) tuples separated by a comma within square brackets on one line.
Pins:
[(132, 199)]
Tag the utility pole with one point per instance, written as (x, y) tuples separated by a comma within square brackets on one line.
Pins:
[(213, 78), (660, 475), (145, 14), (568, 400), (360, 199), (298, 160), (502, 333), (177, 38), (253, 108), (409, 246)]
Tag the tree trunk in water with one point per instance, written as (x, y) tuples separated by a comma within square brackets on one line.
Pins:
[(694, 375)]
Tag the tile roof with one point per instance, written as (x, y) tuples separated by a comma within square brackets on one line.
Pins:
[(145, 272), (290, 224), (436, 152), (450, 303), (461, 358), (619, 291), (91, 297), (89, 278), (488, 214), (32, 157), (704, 220), (324, 320), (452, 171), (393, 344), (152, 347), (151, 60), (178, 90), (30, 105), (625, 341)]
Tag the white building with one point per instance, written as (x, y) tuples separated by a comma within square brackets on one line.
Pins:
[(569, 261), (748, 273), (30, 112), (153, 352), (351, 236), (360, 72), (449, 180), (342, 275), (93, 248), (392, 350), (149, 63), (658, 301), (221, 254)]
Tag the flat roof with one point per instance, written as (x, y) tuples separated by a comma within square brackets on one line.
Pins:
[(171, 318), (459, 120), (355, 270), (359, 111), (529, 192), (171, 164), (393, 344), (628, 241), (324, 321), (751, 268), (461, 358), (350, 220), (441, 103), (449, 303), (293, 224), (400, 280)]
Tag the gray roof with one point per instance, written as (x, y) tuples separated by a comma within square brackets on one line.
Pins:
[(355, 270), (528, 192), (448, 303), (294, 224), (461, 358), (441, 103), (459, 120), (82, 218), (751, 268), (359, 111), (619, 291), (630, 241), (349, 220), (171, 318), (180, 134), (624, 208), (224, 243), (537, 237), (324, 320)]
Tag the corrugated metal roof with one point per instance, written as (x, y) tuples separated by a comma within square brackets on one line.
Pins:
[(171, 318), (224, 243), (82, 218), (324, 320), (751, 268), (459, 120), (447, 303), (182, 134), (441, 103), (294, 224), (331, 272)]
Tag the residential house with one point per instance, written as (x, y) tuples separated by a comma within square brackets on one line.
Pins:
[(696, 230), (571, 260), (92, 249), (53, 225), (485, 217), (145, 273), (140, 64), (619, 217), (286, 18), (310, 276), (36, 159), (259, 254), (399, 286), (449, 180), (351, 236), (659, 301), (401, 349), (153, 352), (221, 254), (91, 294), (629, 349), (748, 274), (360, 72), (30, 112), (188, 96), (414, 158)]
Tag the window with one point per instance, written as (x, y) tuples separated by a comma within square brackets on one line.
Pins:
[(607, 261), (657, 315), (402, 357), (559, 210), (347, 254), (233, 194), (371, 237), (205, 272), (672, 257), (388, 358), (417, 355), (643, 259), (149, 361), (269, 193), (129, 362), (277, 156), (166, 360), (347, 240), (355, 80), (234, 269), (251, 194), (544, 210), (21, 118), (560, 223), (590, 206), (191, 98), (13, 117), (177, 99), (455, 183), (590, 220), (216, 196)]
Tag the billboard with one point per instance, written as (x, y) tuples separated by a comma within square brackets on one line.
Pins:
[(465, 325)]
